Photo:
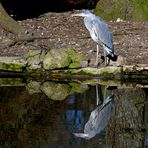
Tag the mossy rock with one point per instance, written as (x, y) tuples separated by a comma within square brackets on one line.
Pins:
[(75, 56), (34, 58), (124, 9), (12, 64), (78, 60), (75, 65), (56, 58)]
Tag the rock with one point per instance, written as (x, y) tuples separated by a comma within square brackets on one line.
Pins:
[(120, 61), (119, 20), (12, 64), (75, 57), (56, 58), (125, 10), (56, 91), (78, 60), (84, 63), (34, 58)]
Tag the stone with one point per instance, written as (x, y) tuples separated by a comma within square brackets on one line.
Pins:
[(35, 58), (12, 64), (78, 60), (56, 58), (120, 61)]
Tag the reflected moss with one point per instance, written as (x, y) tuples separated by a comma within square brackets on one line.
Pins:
[(33, 87), (56, 91), (11, 82), (77, 87)]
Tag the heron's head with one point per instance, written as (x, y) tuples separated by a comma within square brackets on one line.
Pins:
[(83, 14)]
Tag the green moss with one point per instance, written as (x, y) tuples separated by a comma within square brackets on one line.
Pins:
[(124, 9), (11, 66), (75, 65), (56, 58), (76, 57)]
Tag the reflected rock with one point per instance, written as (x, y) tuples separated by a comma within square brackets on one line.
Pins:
[(33, 87), (98, 120), (78, 88), (56, 58), (56, 91)]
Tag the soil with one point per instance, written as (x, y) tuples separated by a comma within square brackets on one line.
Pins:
[(61, 30)]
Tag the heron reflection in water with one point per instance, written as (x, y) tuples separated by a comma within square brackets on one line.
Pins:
[(100, 33), (98, 119)]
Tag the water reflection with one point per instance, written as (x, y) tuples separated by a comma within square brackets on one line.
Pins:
[(32, 117), (99, 117)]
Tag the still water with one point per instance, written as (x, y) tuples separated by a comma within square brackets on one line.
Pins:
[(72, 115)]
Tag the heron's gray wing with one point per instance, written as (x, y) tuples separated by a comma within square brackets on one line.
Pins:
[(103, 34)]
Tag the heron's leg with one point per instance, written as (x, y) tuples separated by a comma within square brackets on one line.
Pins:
[(105, 58), (97, 54), (108, 61), (97, 95)]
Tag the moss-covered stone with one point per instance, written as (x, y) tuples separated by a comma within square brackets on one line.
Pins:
[(56, 58), (12, 64), (75, 56), (56, 91), (75, 65), (34, 58), (78, 60), (124, 9)]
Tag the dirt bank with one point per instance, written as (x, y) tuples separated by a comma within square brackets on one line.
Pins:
[(60, 30)]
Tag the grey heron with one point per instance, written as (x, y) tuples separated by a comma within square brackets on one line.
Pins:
[(98, 119), (100, 33)]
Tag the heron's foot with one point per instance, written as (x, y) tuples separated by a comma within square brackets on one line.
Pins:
[(103, 61), (97, 65)]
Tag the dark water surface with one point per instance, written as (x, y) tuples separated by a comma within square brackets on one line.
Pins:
[(72, 115)]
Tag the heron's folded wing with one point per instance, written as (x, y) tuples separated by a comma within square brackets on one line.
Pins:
[(101, 30)]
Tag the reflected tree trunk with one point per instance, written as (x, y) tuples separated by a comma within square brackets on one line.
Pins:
[(9, 24), (126, 127)]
